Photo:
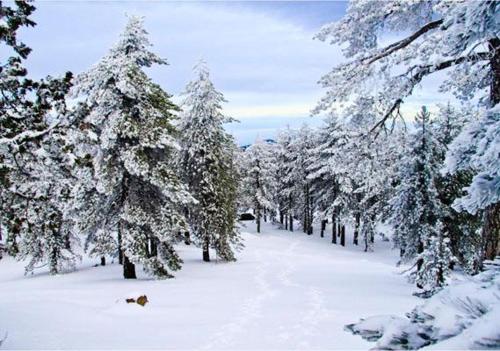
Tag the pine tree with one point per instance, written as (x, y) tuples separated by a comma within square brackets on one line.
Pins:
[(259, 179), (207, 160), (436, 261), (32, 173), (416, 206), (302, 147), (284, 182), (324, 179), (475, 148), (136, 195), (50, 237), (462, 228)]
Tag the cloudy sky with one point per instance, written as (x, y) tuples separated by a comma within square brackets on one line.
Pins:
[(262, 54)]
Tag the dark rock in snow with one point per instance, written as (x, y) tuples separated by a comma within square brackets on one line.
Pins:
[(141, 300), (247, 217)]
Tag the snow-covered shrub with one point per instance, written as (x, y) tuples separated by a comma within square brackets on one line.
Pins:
[(464, 315)]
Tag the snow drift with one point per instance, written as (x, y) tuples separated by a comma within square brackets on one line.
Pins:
[(463, 315)]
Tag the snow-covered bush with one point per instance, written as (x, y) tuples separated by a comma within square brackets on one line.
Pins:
[(464, 315)]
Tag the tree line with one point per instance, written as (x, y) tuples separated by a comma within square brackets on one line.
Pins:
[(436, 179), (339, 174), (131, 174)]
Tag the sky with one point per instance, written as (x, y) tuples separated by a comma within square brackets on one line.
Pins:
[(262, 55)]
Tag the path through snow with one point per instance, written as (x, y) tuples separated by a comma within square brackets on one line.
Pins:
[(287, 290)]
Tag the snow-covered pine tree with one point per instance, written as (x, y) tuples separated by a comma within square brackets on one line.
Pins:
[(322, 179), (416, 207), (50, 238), (462, 228), (436, 261), (284, 182), (259, 178), (368, 162), (31, 137), (208, 167), (323, 176), (90, 208), (302, 146), (476, 148), (139, 195)]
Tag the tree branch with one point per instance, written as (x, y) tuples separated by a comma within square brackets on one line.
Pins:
[(423, 71), (28, 135), (402, 43)]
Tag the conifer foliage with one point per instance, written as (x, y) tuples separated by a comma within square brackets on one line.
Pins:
[(416, 206), (32, 160), (208, 168), (459, 37), (259, 180), (135, 195)]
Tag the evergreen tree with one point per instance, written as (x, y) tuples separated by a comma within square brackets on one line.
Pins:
[(436, 261), (303, 146), (259, 178), (462, 228), (135, 192), (32, 172), (416, 206), (50, 238), (476, 149), (324, 178), (207, 159), (284, 183)]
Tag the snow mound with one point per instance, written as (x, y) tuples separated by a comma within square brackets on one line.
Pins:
[(465, 315)]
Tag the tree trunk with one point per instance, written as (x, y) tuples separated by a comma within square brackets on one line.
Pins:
[(310, 227), (334, 229), (206, 250), (491, 222), (153, 248), (420, 261), (342, 235), (128, 269), (187, 238), (304, 221), (103, 261), (257, 219), (491, 231), (356, 228), (120, 250), (281, 217), (291, 222), (67, 242), (286, 220), (440, 277), (494, 46), (323, 227)]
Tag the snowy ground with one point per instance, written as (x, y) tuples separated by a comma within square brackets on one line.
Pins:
[(287, 291)]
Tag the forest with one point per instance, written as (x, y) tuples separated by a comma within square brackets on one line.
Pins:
[(105, 170)]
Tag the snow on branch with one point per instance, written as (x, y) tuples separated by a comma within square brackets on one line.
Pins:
[(28, 135), (417, 73), (388, 50)]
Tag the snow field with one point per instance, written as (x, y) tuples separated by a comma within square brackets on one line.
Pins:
[(286, 291)]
